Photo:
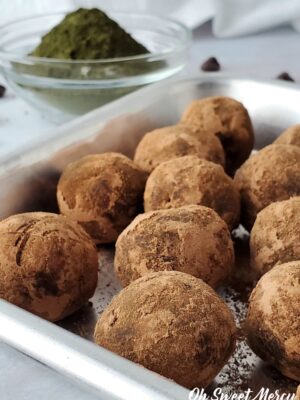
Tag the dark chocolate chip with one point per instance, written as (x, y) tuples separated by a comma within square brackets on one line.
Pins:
[(211, 65), (2, 91), (284, 76)]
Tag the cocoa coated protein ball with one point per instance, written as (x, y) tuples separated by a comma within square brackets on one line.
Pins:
[(103, 192), (297, 395), (275, 235), (191, 239), (191, 180), (229, 120), (272, 174), (48, 264), (290, 136), (273, 320), (176, 141), (171, 323)]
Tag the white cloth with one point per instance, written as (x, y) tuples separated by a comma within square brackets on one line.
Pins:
[(230, 17), (15, 9), (192, 13), (241, 17)]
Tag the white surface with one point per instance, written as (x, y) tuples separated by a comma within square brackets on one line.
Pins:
[(19, 123), (263, 56)]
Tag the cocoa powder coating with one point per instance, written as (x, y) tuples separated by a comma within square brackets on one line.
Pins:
[(275, 235), (176, 141), (229, 120), (171, 323), (272, 174), (103, 192), (48, 264), (191, 239), (290, 136), (273, 320), (191, 180)]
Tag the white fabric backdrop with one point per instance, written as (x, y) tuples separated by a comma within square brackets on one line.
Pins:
[(230, 17)]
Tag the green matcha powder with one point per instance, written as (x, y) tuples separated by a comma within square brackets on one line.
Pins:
[(88, 34)]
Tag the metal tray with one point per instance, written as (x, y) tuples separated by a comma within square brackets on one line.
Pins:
[(28, 182)]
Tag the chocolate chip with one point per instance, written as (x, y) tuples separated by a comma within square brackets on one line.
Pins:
[(2, 91), (211, 65), (284, 76)]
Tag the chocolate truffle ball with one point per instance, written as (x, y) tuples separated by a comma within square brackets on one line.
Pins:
[(103, 192), (229, 120), (48, 264), (176, 141), (191, 239), (191, 180), (290, 136), (273, 320), (297, 397), (171, 323), (272, 174), (275, 235)]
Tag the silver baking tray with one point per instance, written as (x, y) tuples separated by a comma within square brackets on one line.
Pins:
[(28, 181)]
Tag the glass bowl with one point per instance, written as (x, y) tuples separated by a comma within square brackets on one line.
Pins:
[(62, 89)]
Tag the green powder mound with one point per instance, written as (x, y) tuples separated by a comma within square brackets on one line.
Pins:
[(88, 34)]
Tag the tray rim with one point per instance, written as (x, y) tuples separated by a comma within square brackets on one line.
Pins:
[(92, 366), (54, 134)]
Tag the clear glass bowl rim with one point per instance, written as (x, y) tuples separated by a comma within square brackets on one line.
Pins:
[(185, 32)]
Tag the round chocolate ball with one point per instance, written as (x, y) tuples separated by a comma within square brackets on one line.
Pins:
[(229, 120), (176, 141), (275, 235), (48, 264), (273, 320), (272, 174), (290, 136), (171, 323), (103, 192), (191, 180), (297, 394), (190, 239)]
